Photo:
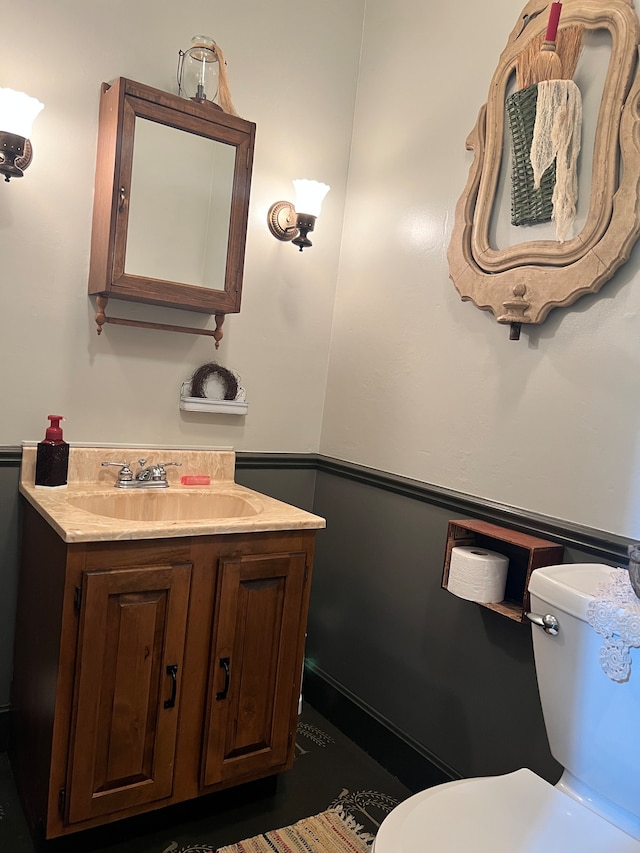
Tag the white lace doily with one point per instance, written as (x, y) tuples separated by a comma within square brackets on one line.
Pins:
[(615, 615)]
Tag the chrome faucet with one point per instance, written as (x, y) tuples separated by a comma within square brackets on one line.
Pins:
[(151, 477)]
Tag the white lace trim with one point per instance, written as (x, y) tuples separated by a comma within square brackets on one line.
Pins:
[(556, 134), (615, 615)]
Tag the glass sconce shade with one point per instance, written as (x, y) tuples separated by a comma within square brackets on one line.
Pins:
[(199, 70), (309, 196), (18, 112), (293, 222)]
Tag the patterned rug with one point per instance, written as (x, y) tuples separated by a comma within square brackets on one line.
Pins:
[(333, 831)]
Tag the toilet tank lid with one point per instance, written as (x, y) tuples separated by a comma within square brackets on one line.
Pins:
[(570, 587)]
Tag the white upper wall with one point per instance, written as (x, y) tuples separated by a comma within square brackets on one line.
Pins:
[(293, 75), (426, 386), (419, 383)]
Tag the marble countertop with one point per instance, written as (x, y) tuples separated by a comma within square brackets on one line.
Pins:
[(90, 483)]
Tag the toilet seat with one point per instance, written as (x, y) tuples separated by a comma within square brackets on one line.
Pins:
[(515, 813)]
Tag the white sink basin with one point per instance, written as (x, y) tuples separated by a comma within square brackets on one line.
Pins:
[(164, 505)]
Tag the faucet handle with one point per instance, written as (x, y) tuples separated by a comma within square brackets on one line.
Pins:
[(159, 469), (125, 474)]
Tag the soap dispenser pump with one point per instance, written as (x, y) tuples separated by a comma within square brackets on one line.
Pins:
[(52, 458)]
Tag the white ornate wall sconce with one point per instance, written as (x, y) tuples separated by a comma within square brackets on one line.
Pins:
[(17, 114), (293, 222)]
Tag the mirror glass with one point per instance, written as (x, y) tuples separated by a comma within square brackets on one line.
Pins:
[(180, 206)]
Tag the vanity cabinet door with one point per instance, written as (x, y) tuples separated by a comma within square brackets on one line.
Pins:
[(127, 688), (255, 666)]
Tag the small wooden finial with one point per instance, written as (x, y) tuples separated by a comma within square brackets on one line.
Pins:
[(218, 333), (515, 311), (101, 317)]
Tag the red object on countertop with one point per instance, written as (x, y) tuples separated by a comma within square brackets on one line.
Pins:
[(196, 480)]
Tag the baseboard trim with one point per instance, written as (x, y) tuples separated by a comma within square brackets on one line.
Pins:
[(399, 754)]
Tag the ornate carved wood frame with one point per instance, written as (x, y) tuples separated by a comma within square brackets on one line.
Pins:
[(522, 283)]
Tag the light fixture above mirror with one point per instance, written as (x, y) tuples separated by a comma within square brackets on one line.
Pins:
[(293, 222), (198, 70), (202, 75), (17, 114)]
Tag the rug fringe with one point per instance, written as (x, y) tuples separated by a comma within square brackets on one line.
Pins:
[(352, 824), (333, 829)]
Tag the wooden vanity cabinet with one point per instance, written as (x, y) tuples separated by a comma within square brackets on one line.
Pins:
[(149, 672)]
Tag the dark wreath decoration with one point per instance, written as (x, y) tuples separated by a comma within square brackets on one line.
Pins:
[(202, 374)]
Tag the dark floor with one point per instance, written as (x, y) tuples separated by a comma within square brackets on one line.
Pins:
[(329, 769)]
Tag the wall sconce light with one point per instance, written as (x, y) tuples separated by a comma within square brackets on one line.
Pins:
[(293, 222), (17, 114)]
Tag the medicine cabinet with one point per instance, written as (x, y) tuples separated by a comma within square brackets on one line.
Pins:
[(171, 202)]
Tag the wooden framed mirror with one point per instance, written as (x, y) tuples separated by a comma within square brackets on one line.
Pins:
[(521, 280), (171, 201)]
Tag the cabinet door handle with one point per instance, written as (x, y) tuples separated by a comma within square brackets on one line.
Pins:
[(224, 664), (172, 671)]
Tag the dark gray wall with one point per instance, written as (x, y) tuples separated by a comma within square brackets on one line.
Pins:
[(453, 679), (293, 485), (9, 473), (453, 676)]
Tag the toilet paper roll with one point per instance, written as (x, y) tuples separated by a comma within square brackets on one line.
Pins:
[(477, 574)]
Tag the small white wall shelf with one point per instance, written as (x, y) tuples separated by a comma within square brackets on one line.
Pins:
[(207, 406)]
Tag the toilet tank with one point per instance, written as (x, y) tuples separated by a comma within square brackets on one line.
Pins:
[(592, 722)]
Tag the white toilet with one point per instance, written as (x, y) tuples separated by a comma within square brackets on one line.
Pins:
[(593, 726)]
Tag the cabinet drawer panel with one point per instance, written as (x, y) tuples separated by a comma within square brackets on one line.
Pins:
[(131, 635)]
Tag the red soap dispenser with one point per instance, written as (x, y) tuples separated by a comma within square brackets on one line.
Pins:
[(52, 458)]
